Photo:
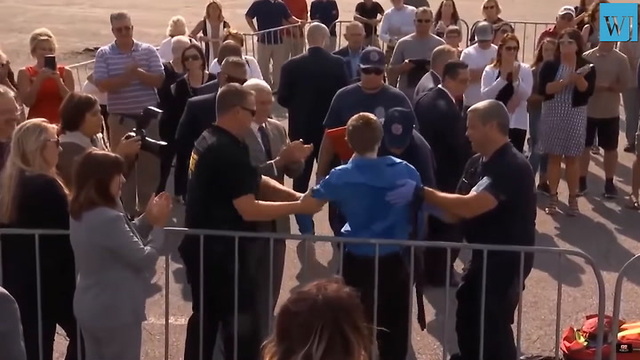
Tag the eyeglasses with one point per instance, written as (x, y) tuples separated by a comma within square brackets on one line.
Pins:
[(489, 7), (371, 71), (249, 110), (423, 21), (123, 29), (55, 141), (511, 48), (194, 57)]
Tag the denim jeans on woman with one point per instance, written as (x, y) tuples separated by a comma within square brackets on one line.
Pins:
[(537, 160)]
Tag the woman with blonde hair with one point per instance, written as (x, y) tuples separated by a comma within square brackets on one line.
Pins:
[(177, 27), (43, 86), (491, 11), (212, 28), (324, 320), (33, 197)]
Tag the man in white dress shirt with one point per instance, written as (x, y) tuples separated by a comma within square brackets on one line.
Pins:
[(478, 56)]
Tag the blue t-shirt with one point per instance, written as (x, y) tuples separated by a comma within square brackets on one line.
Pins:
[(352, 100), (270, 14), (359, 189)]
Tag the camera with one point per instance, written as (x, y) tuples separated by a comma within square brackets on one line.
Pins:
[(142, 121)]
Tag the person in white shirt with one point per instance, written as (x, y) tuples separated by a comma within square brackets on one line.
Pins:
[(253, 69), (478, 56), (397, 23), (177, 27), (511, 83)]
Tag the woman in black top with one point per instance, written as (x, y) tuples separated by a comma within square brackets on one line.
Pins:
[(173, 70), (33, 197)]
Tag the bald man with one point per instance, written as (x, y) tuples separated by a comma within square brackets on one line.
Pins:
[(307, 87), (354, 34)]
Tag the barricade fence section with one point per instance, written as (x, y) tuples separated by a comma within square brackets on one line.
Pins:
[(81, 71), (237, 280)]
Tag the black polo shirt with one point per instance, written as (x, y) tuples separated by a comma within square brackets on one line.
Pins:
[(221, 173), (513, 221)]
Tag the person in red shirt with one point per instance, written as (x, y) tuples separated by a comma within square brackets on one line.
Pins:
[(564, 19)]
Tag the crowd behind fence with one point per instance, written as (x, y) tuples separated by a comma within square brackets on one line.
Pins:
[(527, 32), (411, 247)]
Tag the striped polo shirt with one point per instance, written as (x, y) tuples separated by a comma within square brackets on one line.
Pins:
[(111, 62)]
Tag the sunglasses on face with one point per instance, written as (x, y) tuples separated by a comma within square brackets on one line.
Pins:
[(511, 48), (489, 7), (371, 71), (423, 21), (249, 110), (123, 29), (194, 57)]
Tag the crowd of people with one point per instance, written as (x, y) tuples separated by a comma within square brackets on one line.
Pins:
[(428, 140)]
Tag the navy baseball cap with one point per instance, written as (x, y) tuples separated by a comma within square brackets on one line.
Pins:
[(398, 128), (372, 57)]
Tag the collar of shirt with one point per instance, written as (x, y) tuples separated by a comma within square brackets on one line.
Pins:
[(448, 93), (136, 47)]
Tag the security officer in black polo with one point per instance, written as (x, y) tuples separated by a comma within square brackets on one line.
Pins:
[(496, 205)]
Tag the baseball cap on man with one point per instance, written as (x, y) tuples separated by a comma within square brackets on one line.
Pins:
[(372, 57), (484, 31), (398, 128), (567, 10)]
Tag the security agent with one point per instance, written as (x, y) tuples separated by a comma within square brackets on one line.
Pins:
[(359, 188), (496, 205), (222, 195)]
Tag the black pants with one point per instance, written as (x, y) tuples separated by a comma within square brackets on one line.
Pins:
[(435, 259), (393, 299), (105, 124), (167, 153), (218, 308), (181, 172), (501, 302), (518, 137), (301, 182)]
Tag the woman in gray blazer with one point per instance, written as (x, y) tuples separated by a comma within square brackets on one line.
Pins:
[(114, 257)]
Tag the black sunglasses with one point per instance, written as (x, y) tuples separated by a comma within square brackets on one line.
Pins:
[(194, 57), (490, 7), (122, 29), (249, 110), (423, 21), (371, 71)]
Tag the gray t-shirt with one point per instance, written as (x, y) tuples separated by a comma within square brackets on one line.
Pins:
[(413, 47)]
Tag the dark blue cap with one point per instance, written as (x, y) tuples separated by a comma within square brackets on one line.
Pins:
[(372, 57), (398, 128)]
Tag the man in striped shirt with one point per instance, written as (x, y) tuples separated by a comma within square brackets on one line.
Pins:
[(129, 72)]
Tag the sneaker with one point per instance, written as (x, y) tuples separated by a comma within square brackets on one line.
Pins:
[(610, 191), (544, 188), (630, 148)]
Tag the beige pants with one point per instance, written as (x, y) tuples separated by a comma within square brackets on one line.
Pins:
[(271, 56), (143, 180), (295, 46)]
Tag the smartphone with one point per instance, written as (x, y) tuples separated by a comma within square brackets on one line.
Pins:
[(50, 62), (585, 69)]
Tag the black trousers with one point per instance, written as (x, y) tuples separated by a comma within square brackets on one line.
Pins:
[(435, 259), (393, 293), (501, 302), (167, 153), (218, 308), (518, 137), (181, 172)]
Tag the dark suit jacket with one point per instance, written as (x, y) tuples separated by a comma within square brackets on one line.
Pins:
[(344, 53), (428, 82), (444, 128), (208, 88), (308, 83)]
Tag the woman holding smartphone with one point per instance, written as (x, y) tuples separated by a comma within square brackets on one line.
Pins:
[(566, 83), (113, 257), (43, 86)]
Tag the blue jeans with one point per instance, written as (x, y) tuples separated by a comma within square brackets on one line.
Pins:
[(537, 160)]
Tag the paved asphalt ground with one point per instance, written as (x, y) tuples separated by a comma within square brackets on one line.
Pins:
[(606, 232)]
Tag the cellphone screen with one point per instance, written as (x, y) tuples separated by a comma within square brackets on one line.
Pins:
[(50, 62)]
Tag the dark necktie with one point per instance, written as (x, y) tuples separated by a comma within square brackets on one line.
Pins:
[(94, 141), (266, 145)]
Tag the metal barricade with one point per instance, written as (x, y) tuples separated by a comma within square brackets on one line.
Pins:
[(528, 33), (81, 71), (240, 255), (617, 305)]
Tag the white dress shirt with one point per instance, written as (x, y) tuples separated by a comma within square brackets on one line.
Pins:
[(397, 23), (523, 86)]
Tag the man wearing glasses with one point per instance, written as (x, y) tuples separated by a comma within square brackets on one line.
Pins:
[(129, 72), (411, 56)]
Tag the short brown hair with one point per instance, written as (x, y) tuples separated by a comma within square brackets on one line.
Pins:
[(324, 320), (92, 176), (74, 109), (235, 36), (230, 97), (227, 49), (200, 52), (364, 133)]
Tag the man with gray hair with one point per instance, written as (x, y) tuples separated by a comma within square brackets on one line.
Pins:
[(129, 72), (496, 204), (440, 56)]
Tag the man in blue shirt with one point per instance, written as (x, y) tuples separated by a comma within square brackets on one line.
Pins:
[(359, 188)]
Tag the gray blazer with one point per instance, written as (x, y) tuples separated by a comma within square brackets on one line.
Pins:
[(278, 139), (11, 341), (114, 258)]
